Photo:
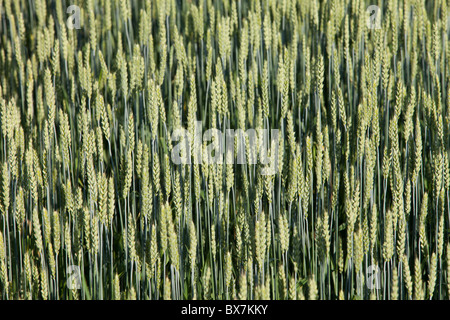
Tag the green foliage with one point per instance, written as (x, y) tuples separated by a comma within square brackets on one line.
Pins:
[(86, 171)]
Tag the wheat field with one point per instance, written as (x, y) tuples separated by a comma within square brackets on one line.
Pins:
[(93, 204)]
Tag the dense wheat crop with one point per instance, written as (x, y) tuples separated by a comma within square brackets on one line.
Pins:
[(356, 203)]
